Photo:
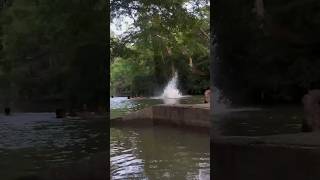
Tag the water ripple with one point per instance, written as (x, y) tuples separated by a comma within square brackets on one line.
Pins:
[(157, 153)]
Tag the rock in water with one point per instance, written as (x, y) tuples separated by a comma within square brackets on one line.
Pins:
[(7, 111), (60, 113), (311, 103)]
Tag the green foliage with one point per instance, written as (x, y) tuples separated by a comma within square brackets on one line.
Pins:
[(166, 35), (55, 50)]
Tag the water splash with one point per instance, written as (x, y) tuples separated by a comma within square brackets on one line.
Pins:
[(171, 93)]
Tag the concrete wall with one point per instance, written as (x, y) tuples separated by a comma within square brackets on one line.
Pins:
[(194, 116), (140, 118)]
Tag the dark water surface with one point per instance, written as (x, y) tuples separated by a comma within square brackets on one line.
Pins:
[(156, 152), (259, 122), (32, 142)]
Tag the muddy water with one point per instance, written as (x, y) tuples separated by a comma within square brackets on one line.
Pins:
[(156, 152)]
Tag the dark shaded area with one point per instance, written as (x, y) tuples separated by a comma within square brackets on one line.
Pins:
[(268, 121), (88, 84), (251, 160), (53, 57), (60, 113), (7, 111), (265, 53), (54, 53), (93, 168), (267, 59)]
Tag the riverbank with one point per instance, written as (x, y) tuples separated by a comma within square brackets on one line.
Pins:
[(30, 143)]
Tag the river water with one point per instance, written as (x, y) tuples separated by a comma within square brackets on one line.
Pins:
[(156, 152), (259, 121), (33, 142)]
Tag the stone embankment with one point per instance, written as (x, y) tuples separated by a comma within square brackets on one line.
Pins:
[(182, 115)]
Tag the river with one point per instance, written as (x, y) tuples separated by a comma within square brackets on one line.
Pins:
[(33, 142), (156, 152)]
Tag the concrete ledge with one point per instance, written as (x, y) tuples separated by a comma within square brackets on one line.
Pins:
[(278, 157), (88, 116), (196, 116), (143, 117)]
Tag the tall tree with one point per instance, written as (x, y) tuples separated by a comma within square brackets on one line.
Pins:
[(48, 44), (176, 32)]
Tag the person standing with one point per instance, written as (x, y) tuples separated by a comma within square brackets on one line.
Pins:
[(7, 111), (207, 95)]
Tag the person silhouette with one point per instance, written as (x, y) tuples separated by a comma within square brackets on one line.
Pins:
[(7, 111), (207, 94), (60, 113), (311, 105)]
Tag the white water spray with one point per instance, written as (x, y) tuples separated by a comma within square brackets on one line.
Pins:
[(171, 91)]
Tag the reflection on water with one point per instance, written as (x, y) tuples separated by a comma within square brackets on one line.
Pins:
[(156, 152), (159, 153), (31, 142)]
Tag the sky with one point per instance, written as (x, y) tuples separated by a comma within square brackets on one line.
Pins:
[(119, 26)]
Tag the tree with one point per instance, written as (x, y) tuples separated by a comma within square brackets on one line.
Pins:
[(160, 28), (46, 47)]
